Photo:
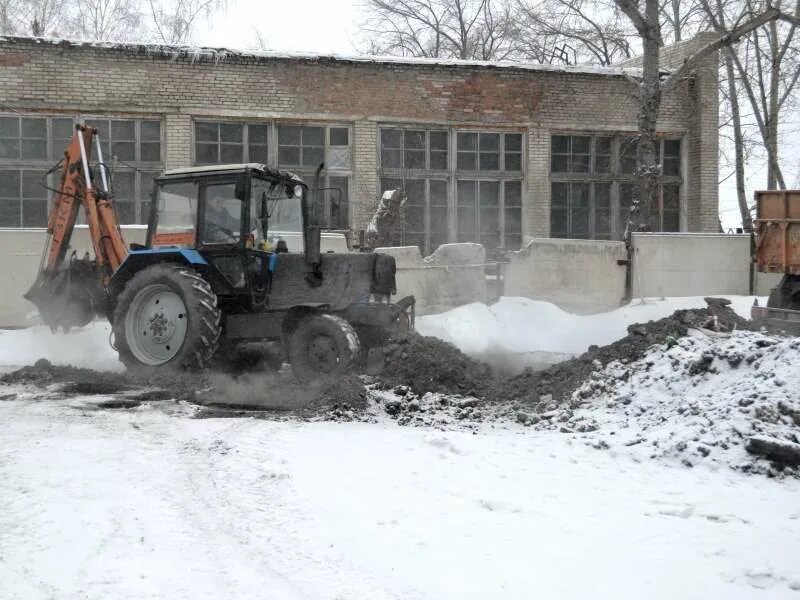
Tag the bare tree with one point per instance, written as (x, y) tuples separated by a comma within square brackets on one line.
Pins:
[(681, 18), (768, 68), (261, 40), (174, 21), (34, 17), (466, 29), (651, 87), (731, 96), (107, 20), (573, 31)]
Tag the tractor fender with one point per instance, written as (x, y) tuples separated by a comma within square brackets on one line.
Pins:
[(141, 259), (297, 313)]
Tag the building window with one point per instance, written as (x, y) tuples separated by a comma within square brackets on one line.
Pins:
[(234, 143), (30, 145), (302, 148), (489, 152), (424, 221), (490, 212), (477, 197), (128, 140), (132, 150), (413, 149), (295, 147), (593, 185), (23, 200), (489, 189)]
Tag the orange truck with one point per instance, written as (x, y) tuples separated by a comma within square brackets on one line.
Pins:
[(777, 228)]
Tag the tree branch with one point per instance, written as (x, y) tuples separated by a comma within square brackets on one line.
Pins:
[(726, 39)]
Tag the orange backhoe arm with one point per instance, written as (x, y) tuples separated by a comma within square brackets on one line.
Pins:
[(77, 188), (71, 294)]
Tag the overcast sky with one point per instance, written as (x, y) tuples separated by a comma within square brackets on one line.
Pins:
[(325, 26), (331, 26)]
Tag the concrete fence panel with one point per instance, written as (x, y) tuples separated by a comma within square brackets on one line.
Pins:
[(764, 282), (690, 264), (578, 275), (20, 255), (453, 275)]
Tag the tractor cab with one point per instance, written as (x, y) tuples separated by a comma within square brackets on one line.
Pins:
[(239, 220), (247, 205)]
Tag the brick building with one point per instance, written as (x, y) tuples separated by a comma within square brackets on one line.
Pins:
[(491, 153)]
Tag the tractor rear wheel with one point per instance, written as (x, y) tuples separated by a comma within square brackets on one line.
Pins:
[(166, 316), (323, 345)]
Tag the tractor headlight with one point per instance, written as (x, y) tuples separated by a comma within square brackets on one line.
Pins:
[(298, 191)]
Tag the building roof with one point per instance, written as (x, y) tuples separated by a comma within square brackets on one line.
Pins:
[(217, 55)]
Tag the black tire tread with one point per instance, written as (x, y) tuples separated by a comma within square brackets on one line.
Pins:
[(205, 317), (347, 339)]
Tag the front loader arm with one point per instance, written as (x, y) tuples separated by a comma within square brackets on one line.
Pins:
[(72, 294)]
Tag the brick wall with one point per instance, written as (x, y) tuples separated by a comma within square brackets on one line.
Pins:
[(53, 77)]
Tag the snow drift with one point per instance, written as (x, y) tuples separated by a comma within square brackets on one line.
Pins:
[(515, 333)]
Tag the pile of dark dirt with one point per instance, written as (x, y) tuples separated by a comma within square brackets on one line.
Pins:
[(550, 387), (79, 381), (423, 364), (427, 364)]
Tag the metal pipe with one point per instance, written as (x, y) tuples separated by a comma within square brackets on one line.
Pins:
[(101, 163), (84, 161)]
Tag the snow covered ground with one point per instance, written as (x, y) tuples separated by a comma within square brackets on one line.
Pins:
[(149, 503), (518, 332)]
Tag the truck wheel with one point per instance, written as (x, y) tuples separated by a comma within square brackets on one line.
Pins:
[(167, 315), (323, 345)]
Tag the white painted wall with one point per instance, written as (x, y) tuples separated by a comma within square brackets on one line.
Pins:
[(690, 264), (20, 256), (581, 276)]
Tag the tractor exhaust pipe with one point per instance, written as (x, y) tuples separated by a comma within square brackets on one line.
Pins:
[(312, 235)]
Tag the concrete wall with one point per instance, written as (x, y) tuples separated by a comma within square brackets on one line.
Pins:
[(764, 282), (451, 276), (20, 255), (690, 264), (578, 275)]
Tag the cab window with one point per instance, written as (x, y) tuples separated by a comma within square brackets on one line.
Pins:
[(222, 218), (284, 212), (176, 214)]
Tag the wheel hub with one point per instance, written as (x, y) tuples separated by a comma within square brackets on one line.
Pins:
[(156, 324), (161, 328), (323, 353)]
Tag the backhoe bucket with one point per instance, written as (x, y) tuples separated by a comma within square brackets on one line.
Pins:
[(70, 297)]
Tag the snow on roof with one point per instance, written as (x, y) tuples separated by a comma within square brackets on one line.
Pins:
[(206, 54)]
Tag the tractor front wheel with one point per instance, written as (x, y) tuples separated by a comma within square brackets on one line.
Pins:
[(323, 345), (167, 316)]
